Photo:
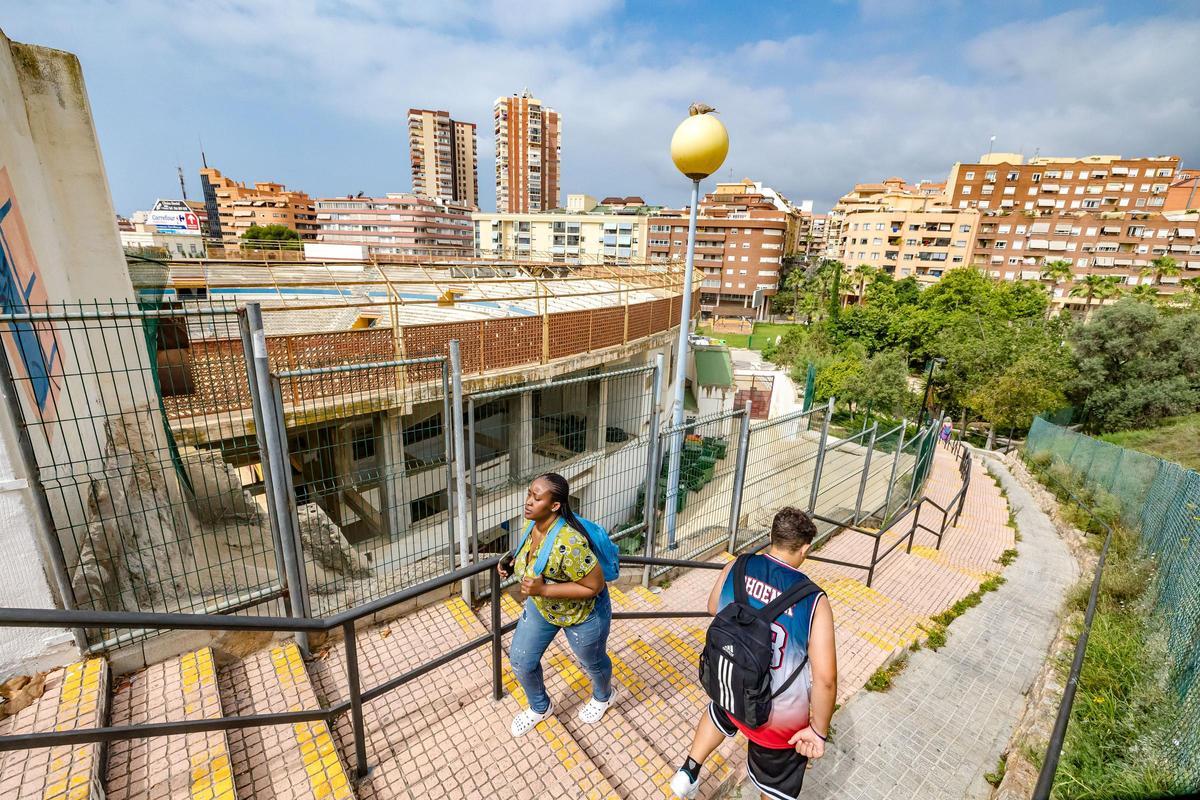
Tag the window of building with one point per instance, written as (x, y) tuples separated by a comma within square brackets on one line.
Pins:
[(745, 245), (1012, 176), (745, 258), (966, 190), (970, 176), (964, 228)]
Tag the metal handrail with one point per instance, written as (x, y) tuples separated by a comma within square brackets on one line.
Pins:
[(36, 617)]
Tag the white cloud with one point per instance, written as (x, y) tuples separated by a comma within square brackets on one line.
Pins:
[(807, 113)]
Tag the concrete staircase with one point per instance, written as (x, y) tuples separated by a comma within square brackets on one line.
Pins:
[(442, 735)]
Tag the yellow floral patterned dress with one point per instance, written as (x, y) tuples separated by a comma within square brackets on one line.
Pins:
[(570, 560)]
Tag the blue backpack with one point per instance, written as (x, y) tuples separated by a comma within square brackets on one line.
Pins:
[(606, 551)]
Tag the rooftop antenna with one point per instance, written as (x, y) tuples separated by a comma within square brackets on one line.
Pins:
[(203, 160), (991, 143), (182, 185)]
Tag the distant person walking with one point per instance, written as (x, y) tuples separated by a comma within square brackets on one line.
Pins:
[(562, 579), (947, 430), (797, 652)]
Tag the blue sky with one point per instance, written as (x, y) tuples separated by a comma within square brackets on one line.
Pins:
[(816, 96)]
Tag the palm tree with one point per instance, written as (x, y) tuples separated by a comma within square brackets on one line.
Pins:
[(1095, 287), (861, 274), (1144, 293), (1192, 285), (1162, 267), (1057, 271)]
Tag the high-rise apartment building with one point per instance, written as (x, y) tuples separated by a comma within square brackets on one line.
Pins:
[(238, 207), (528, 147), (1101, 215), (1001, 181), (744, 231), (902, 229), (396, 224), (444, 156)]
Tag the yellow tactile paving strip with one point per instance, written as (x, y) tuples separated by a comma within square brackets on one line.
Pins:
[(321, 761), (195, 765), (280, 761), (73, 698)]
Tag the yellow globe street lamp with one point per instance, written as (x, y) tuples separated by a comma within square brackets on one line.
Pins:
[(698, 148)]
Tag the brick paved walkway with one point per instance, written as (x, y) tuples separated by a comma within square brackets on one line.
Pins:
[(950, 714), (443, 736)]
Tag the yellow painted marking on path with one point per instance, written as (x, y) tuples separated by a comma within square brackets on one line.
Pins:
[(619, 598), (581, 684), (211, 776), (647, 595), (78, 699), (677, 644), (510, 606), (668, 671), (565, 748), (462, 615), (326, 775), (930, 554)]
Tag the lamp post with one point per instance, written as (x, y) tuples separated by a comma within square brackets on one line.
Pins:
[(933, 363), (698, 148)]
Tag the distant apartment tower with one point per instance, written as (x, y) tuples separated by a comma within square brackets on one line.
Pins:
[(238, 207), (444, 156), (528, 146)]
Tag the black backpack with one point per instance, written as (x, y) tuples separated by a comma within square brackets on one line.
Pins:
[(735, 665)]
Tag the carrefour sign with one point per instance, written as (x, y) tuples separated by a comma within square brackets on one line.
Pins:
[(174, 221)]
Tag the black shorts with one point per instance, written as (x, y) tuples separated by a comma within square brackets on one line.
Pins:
[(778, 774)]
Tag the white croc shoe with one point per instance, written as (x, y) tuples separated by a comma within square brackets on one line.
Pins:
[(683, 786), (528, 719), (593, 710)]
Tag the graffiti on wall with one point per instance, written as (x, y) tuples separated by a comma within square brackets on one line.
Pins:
[(33, 347)]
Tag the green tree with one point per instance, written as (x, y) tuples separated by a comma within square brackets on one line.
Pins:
[(1144, 293), (881, 384), (1136, 363), (1191, 291), (1012, 398), (1057, 271), (1094, 287), (287, 238), (1162, 267), (860, 275)]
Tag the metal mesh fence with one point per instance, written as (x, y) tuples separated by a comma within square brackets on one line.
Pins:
[(780, 465), (1162, 500), (873, 490), (707, 469), (594, 430), (367, 446), (153, 489)]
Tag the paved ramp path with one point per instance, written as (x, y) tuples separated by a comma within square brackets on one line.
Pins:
[(950, 714)]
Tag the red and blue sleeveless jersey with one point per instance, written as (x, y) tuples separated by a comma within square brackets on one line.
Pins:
[(766, 578)]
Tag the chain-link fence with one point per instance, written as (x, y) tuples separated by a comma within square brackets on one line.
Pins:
[(707, 471), (136, 418), (367, 448), (595, 430), (1162, 500)]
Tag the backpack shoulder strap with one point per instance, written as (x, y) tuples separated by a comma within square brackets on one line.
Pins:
[(543, 557), (739, 580), (800, 590), (524, 538)]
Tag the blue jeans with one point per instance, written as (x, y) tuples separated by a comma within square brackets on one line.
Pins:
[(588, 639)]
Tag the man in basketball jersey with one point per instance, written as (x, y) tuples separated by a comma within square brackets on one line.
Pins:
[(803, 640)]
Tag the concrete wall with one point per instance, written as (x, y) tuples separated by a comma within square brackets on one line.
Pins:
[(60, 244)]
